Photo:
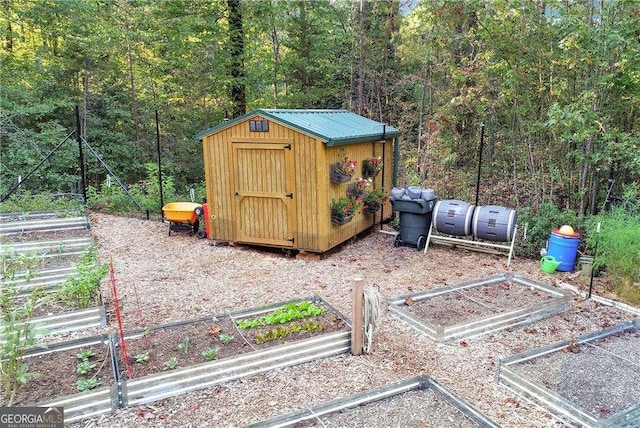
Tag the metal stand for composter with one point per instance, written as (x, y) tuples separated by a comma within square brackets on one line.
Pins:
[(482, 246)]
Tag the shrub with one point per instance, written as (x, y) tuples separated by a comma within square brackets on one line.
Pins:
[(617, 247), (540, 223)]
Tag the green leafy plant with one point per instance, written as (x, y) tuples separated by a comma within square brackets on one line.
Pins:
[(618, 249), (345, 205), (19, 334), (184, 345), (80, 290), (210, 354), (142, 357), (289, 312), (87, 384), (344, 165), (225, 338), (540, 223), (84, 367), (281, 332), (171, 363), (85, 355)]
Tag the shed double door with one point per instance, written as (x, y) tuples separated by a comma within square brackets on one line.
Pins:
[(264, 193)]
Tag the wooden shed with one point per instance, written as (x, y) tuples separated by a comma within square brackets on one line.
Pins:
[(268, 176)]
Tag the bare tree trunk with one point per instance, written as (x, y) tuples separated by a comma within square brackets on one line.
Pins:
[(360, 103), (236, 42), (276, 53)]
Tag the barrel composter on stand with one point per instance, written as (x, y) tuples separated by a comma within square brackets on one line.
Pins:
[(479, 228)]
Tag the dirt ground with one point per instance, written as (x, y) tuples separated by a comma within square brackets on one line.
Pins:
[(163, 279)]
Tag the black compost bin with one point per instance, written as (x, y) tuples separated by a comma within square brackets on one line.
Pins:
[(415, 220)]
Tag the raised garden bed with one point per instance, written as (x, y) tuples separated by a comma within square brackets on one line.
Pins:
[(170, 370), (478, 307), (65, 321), (57, 380), (592, 380), (152, 380), (418, 401)]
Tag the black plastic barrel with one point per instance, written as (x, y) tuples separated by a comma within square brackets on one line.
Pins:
[(415, 220), (494, 223), (453, 217)]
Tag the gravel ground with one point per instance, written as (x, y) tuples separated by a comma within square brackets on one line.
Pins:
[(163, 279)]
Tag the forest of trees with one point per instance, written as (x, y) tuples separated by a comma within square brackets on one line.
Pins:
[(555, 85)]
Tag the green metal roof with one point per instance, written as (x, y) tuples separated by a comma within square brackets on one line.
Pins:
[(334, 127)]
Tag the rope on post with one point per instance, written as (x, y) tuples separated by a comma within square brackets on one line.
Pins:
[(371, 315)]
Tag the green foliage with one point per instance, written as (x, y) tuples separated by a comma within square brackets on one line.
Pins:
[(142, 357), (171, 363), (84, 367), (541, 222), (210, 354), (184, 345), (24, 201), (617, 245), (85, 355), (225, 338), (291, 311), (345, 205), (79, 291), (19, 333), (87, 384), (282, 332)]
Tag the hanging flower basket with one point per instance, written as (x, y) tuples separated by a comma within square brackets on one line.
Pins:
[(371, 208), (343, 209), (340, 219), (371, 167), (337, 175), (357, 188)]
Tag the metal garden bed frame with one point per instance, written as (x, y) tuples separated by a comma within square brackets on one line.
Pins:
[(44, 225), (66, 322), (155, 387), (417, 383), (552, 402), (560, 302), (45, 249), (87, 404), (151, 388)]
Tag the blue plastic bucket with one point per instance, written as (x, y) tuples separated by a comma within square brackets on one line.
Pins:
[(563, 249)]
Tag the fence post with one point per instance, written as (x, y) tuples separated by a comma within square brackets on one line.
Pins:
[(356, 318)]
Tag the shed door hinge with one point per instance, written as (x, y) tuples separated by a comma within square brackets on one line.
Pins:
[(289, 195), (292, 240), (287, 146)]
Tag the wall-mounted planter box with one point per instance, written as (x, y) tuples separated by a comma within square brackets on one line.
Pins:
[(590, 381), (153, 387), (455, 407), (488, 318)]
